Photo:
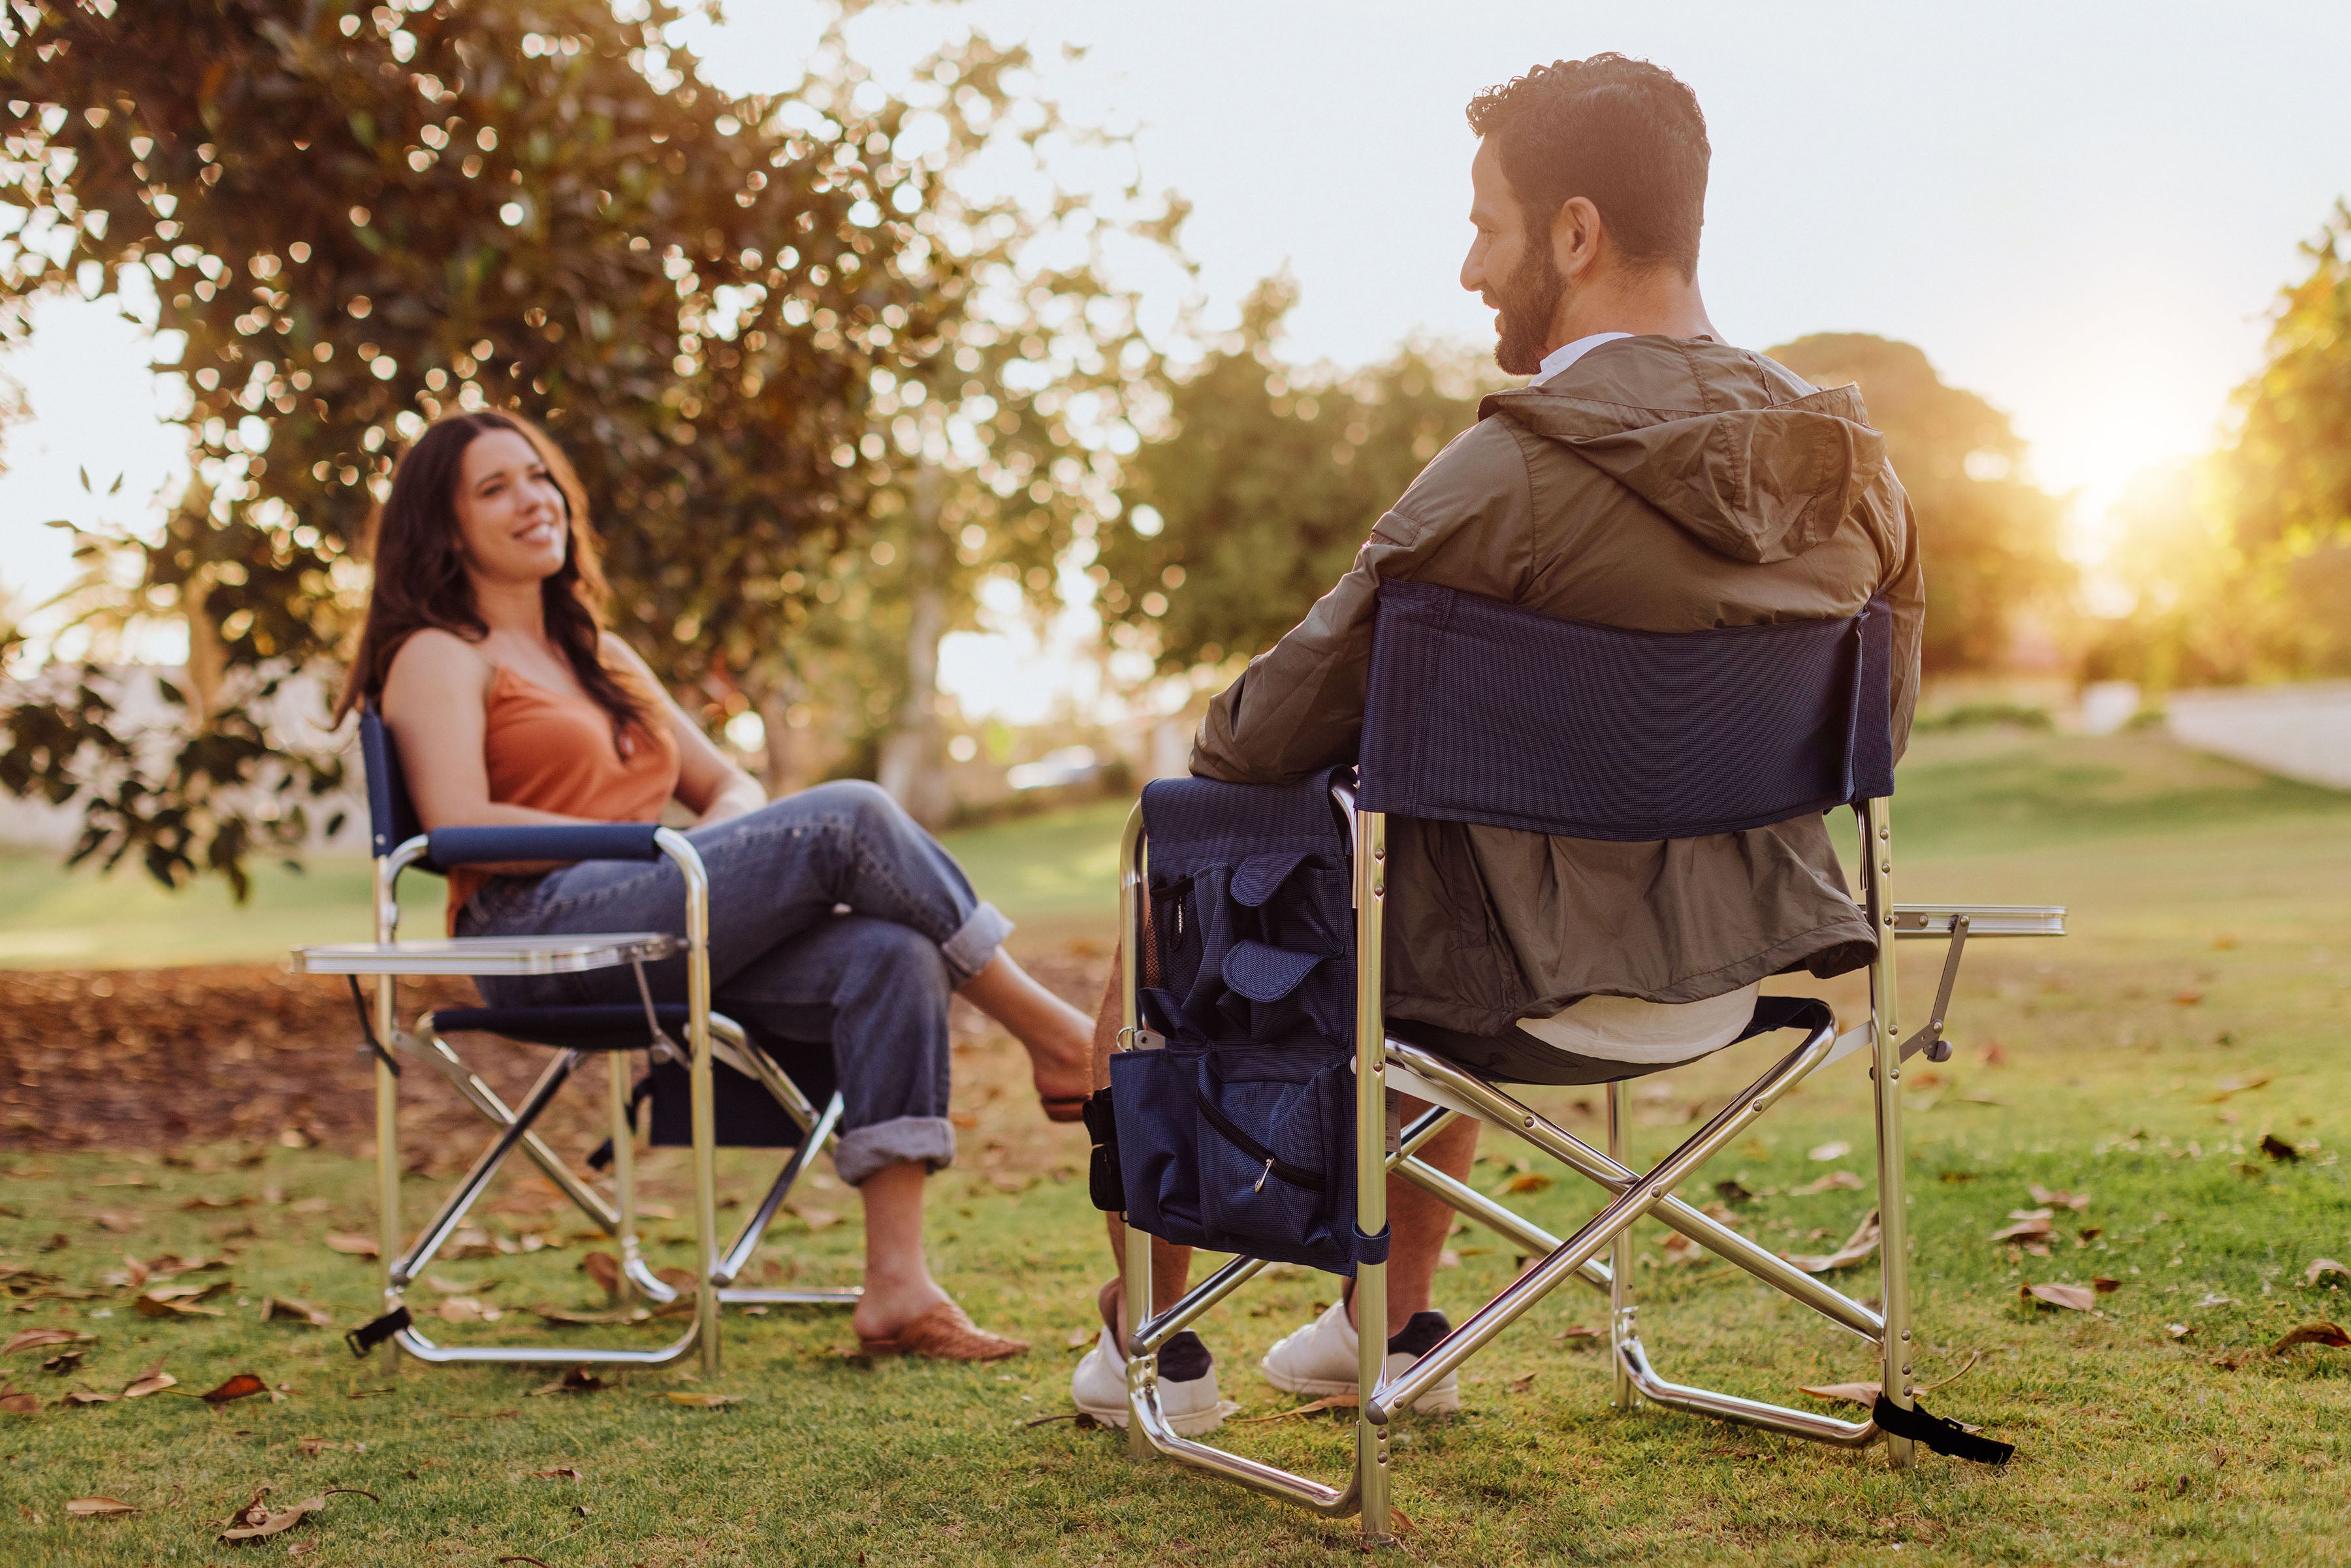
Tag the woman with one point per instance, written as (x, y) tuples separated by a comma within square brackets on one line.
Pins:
[(830, 910)]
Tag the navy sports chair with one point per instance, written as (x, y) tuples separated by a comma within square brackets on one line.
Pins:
[(1484, 712), (712, 1044)]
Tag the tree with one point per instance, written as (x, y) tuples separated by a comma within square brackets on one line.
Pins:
[(2283, 484), (1259, 485), (1988, 535), (733, 313)]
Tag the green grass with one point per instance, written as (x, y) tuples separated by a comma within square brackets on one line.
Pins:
[(2211, 946)]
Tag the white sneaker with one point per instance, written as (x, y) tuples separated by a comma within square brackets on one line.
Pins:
[(1192, 1406), (1320, 1359)]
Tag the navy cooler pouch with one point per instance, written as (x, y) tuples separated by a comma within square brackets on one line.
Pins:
[(1237, 1135)]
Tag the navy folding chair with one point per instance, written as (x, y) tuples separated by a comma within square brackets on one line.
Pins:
[(711, 1039), (1486, 713)]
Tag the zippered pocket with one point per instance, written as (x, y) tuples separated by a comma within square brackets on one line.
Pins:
[(1273, 1165)]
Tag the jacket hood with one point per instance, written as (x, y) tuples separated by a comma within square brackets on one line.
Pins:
[(1741, 453)]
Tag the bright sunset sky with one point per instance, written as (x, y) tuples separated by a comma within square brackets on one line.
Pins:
[(2081, 211)]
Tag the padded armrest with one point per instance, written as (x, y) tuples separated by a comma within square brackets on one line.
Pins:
[(561, 841)]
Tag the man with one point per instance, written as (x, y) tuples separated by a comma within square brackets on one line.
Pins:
[(1651, 477)]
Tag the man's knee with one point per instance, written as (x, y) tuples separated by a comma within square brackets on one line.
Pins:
[(861, 800)]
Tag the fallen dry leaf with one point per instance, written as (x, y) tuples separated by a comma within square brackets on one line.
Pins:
[(33, 1339), (121, 1224), (16, 1403), (2214, 1299), (2331, 1335), (286, 1309), (311, 1205), (2179, 1331), (1858, 1246), (202, 1201), (1836, 1149), (704, 1401), (560, 1473), (578, 1380), (314, 1447), (155, 1380), (2277, 1148), (1862, 1394), (2187, 998), (465, 1309), (354, 1245), (89, 1396), (65, 1361), (1574, 1333), (2238, 1084), (98, 1507), (2074, 1298), (605, 1269), (1078, 1339), (1731, 1191), (1680, 1250), (2035, 1224), (1328, 1402), (1523, 1181), (816, 1218), (253, 1522), (244, 1386), (2077, 1201), (175, 1304), (1829, 1183), (2104, 1285), (1521, 1385), (2321, 1268)]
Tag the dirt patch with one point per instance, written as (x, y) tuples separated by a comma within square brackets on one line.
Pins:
[(158, 1059)]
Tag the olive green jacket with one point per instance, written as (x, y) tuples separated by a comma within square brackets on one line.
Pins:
[(1659, 485)]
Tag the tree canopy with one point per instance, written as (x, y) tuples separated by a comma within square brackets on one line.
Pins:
[(1988, 536), (1252, 498), (750, 322)]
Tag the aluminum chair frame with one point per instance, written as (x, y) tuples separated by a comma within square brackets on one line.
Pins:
[(1383, 1065), (710, 1035)]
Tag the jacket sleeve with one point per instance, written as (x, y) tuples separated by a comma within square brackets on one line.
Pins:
[(1906, 591), (1299, 706)]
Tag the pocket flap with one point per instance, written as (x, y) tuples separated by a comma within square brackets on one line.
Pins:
[(1265, 974), (1259, 877)]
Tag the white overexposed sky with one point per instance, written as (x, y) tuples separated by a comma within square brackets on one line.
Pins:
[(2081, 211)]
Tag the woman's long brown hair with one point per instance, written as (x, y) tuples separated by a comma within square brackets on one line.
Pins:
[(420, 569)]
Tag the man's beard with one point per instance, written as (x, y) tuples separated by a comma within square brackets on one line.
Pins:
[(1530, 303)]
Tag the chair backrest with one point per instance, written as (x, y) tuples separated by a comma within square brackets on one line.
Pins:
[(1485, 712), (391, 819)]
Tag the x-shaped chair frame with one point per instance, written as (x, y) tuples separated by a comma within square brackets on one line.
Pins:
[(1383, 1065), (710, 1035)]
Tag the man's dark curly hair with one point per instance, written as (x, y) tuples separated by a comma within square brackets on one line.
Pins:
[(1622, 134)]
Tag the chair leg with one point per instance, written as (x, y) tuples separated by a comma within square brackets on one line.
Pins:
[(387, 1154), (624, 1171), (1876, 819), (1621, 1327)]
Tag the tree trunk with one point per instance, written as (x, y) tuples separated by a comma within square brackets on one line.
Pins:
[(913, 759)]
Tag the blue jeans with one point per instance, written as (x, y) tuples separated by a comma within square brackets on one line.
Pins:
[(832, 917)]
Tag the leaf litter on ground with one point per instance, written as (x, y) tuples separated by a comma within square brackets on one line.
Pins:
[(1858, 1246)]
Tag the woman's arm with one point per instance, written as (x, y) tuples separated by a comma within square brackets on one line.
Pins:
[(436, 702), (711, 787)]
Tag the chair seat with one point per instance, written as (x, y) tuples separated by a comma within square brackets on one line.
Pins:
[(555, 955), (600, 1027), (1518, 1056)]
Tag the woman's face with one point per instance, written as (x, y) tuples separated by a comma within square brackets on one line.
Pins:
[(510, 515)]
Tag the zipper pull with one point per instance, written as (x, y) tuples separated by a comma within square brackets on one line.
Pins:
[(1179, 922), (1261, 1176)]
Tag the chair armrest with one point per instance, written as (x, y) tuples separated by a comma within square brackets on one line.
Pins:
[(556, 842)]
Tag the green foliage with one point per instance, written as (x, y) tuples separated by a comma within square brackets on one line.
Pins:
[(1988, 534), (1262, 486), (748, 321), (1984, 715), (2241, 563)]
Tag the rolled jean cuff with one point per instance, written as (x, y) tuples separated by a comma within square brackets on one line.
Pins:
[(974, 942), (865, 1150)]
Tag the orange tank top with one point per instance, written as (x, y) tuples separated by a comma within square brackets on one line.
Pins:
[(553, 752)]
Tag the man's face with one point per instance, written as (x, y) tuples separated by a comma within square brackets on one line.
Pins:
[(1510, 267)]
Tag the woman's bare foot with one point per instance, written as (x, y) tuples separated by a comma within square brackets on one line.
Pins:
[(1058, 1037), (898, 1284)]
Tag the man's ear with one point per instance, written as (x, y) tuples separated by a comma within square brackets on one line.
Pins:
[(1577, 237)]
